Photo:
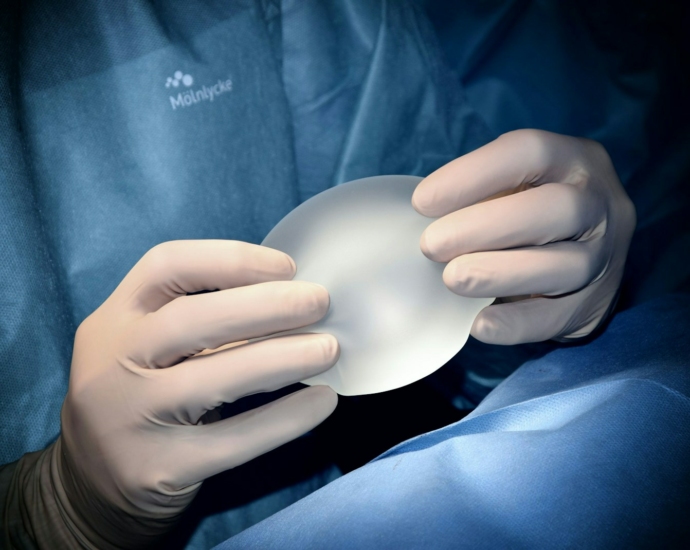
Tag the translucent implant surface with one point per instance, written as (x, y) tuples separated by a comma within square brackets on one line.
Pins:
[(395, 320)]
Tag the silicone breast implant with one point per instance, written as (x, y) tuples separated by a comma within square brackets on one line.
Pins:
[(395, 320)]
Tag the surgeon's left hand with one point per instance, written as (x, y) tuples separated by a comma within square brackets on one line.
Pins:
[(538, 219)]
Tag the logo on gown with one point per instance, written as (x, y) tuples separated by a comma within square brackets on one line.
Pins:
[(187, 98), (178, 77)]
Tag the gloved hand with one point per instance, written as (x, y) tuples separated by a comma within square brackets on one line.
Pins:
[(538, 219), (133, 452)]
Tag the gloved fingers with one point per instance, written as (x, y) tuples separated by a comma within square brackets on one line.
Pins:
[(190, 324), (205, 382), (552, 269), (511, 162), (176, 268), (522, 219), (213, 448), (530, 320)]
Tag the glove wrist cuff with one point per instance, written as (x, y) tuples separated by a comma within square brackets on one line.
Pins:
[(94, 521), (38, 513)]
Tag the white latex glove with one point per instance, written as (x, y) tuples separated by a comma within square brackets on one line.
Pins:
[(133, 452), (537, 218)]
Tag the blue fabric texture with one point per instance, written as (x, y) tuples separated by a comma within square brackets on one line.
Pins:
[(586, 447)]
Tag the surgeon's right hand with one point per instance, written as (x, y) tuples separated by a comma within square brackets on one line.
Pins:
[(133, 450)]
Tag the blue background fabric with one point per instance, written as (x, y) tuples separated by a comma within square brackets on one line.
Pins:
[(586, 447), (96, 166)]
